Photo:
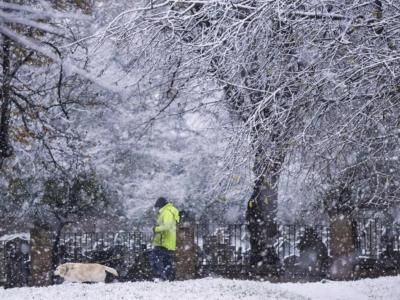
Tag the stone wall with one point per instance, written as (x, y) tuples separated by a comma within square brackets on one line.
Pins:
[(185, 252), (342, 247), (41, 257)]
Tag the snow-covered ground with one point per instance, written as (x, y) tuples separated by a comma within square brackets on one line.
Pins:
[(387, 288)]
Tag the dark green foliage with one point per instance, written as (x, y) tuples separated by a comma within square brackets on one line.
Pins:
[(79, 195)]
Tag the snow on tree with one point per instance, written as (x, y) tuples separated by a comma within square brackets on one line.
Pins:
[(314, 83), (87, 105), (44, 83)]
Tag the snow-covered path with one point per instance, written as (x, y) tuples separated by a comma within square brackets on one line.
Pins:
[(387, 288)]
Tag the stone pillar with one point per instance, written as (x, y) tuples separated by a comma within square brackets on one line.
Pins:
[(185, 251), (41, 257), (342, 247)]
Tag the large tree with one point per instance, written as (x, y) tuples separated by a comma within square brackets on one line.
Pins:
[(311, 81)]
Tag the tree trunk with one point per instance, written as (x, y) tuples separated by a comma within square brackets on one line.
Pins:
[(5, 147), (56, 245), (261, 215)]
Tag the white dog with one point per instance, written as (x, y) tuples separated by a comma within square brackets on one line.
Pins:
[(77, 272)]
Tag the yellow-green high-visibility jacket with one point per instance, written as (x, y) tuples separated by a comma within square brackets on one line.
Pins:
[(165, 229)]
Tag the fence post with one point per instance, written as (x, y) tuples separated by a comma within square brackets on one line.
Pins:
[(342, 250), (41, 256), (186, 249)]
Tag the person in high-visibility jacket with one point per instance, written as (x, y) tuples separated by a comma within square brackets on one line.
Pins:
[(164, 240)]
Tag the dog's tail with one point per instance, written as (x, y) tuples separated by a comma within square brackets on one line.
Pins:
[(111, 270)]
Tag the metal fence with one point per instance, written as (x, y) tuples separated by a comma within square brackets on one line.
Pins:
[(128, 252), (85, 246), (14, 263), (374, 237), (225, 249), (2, 264), (222, 249)]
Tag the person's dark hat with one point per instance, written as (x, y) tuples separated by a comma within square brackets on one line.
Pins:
[(160, 202)]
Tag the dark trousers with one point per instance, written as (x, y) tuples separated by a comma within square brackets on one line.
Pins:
[(163, 261)]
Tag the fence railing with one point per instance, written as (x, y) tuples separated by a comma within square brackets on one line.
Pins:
[(85, 246), (218, 248), (2, 263), (14, 263), (374, 236)]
